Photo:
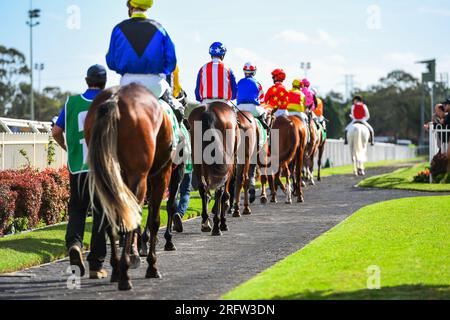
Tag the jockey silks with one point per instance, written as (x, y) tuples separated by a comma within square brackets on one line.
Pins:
[(141, 46), (250, 91), (296, 101), (360, 112), (277, 97), (215, 82)]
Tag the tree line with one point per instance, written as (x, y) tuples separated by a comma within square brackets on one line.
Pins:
[(394, 105), (394, 102), (15, 90)]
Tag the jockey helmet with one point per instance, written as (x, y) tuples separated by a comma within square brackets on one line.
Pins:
[(250, 69), (96, 74), (218, 50), (297, 83), (314, 91), (306, 83), (358, 99), (141, 4), (279, 75)]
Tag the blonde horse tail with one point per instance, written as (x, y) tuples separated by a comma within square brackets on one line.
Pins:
[(119, 204)]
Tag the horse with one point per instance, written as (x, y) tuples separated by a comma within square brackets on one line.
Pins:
[(358, 137), (312, 149), (130, 142), (247, 146), (291, 139), (214, 139)]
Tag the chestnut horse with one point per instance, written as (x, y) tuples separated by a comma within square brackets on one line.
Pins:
[(130, 139), (214, 138), (246, 148), (291, 147)]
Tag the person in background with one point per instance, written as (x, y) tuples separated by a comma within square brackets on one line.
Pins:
[(71, 121), (185, 197), (360, 114)]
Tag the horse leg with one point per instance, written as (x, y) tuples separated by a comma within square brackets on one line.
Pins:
[(237, 190), (206, 224), (263, 189), (247, 210), (114, 257), (174, 188), (225, 208), (273, 189), (145, 235), (288, 186), (217, 212), (124, 265), (319, 161), (231, 188), (159, 185)]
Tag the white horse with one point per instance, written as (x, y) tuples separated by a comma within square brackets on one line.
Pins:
[(358, 137)]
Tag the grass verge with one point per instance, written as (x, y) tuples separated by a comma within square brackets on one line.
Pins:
[(407, 239), (403, 179)]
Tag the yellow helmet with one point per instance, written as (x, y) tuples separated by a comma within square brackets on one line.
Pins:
[(141, 4), (297, 83)]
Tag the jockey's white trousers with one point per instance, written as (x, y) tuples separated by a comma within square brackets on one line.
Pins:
[(255, 110), (281, 113), (157, 84), (361, 121)]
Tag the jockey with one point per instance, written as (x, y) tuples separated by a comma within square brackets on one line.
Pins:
[(250, 95), (215, 82), (360, 114), (297, 99), (309, 96), (141, 51), (277, 97), (318, 112)]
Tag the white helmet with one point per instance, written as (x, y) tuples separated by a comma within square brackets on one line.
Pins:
[(250, 68)]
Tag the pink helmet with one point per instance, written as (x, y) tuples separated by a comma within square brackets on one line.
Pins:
[(306, 83)]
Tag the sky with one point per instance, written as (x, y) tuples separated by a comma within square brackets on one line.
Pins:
[(366, 39)]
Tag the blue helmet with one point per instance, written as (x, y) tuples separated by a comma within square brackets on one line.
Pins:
[(217, 49)]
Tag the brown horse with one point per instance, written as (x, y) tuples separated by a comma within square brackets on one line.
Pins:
[(246, 149), (290, 149), (130, 140), (312, 148), (214, 137)]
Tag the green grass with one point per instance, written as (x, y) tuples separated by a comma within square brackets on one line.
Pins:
[(408, 239), (403, 179), (349, 169), (18, 252)]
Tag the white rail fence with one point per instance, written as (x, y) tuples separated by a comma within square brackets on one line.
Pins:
[(34, 145), (439, 140), (339, 154)]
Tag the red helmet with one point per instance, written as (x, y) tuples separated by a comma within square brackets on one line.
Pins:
[(279, 75)]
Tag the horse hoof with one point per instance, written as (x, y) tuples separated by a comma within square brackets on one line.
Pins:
[(247, 212), (143, 253), (236, 214), (274, 200), (206, 227), (263, 200), (153, 274), (216, 233), (289, 202), (224, 228), (252, 194), (169, 247), (114, 277), (125, 285), (303, 184), (135, 262)]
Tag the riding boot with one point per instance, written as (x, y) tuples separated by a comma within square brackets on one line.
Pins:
[(263, 121), (371, 139), (345, 138), (177, 108)]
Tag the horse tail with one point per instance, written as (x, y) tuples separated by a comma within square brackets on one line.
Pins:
[(105, 179), (209, 119)]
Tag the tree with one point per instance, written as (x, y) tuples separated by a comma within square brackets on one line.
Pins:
[(13, 68)]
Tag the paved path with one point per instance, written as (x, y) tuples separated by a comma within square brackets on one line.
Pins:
[(206, 267)]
